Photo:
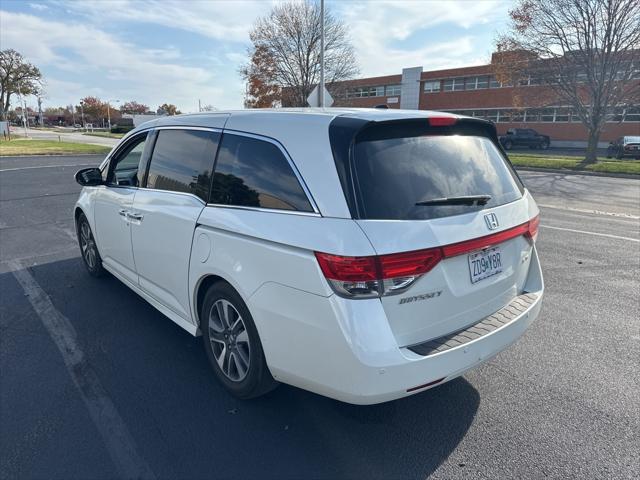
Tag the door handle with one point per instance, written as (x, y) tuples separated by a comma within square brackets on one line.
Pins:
[(122, 213), (135, 216)]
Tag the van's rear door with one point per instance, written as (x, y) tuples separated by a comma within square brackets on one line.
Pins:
[(420, 185)]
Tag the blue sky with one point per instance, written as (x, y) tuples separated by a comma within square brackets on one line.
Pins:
[(179, 51)]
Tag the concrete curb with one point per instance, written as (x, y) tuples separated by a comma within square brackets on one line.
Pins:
[(566, 171)]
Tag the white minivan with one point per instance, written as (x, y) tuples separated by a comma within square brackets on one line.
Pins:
[(361, 254)]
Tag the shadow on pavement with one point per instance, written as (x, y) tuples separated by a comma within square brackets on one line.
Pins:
[(187, 426)]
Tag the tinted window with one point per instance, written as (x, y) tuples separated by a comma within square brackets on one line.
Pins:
[(255, 173), (126, 163), (182, 161), (395, 173)]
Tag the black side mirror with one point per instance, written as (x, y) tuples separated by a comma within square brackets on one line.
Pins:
[(89, 177)]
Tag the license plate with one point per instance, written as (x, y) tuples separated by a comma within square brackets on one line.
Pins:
[(485, 264)]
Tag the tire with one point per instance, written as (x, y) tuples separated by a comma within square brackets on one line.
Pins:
[(88, 248), (508, 145), (544, 145), (232, 343)]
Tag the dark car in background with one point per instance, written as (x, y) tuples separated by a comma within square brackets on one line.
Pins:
[(524, 137), (625, 147)]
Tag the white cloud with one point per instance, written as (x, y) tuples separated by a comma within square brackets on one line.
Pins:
[(376, 26), (80, 57), (38, 6), (222, 20), (120, 70)]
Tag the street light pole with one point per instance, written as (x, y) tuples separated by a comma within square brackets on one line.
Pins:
[(321, 87), (109, 113), (82, 114)]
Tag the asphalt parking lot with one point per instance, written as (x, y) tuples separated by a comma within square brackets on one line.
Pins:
[(137, 398)]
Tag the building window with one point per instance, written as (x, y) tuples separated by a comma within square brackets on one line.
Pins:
[(475, 83), (364, 92), (451, 84), (494, 83), (547, 114), (470, 83), (562, 115), (393, 90), (517, 116), (632, 114), (482, 82), (492, 115), (432, 86), (504, 116)]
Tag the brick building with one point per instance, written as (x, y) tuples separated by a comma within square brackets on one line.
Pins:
[(474, 91)]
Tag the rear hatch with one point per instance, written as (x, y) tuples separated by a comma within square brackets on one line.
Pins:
[(442, 189)]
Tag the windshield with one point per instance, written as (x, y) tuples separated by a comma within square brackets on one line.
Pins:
[(399, 178)]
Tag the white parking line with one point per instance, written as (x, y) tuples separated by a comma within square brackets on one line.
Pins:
[(595, 212), (592, 233), (48, 166), (118, 440)]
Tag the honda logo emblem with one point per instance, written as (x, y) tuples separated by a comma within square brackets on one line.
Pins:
[(492, 221)]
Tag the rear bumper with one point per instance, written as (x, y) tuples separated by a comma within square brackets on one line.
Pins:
[(345, 349)]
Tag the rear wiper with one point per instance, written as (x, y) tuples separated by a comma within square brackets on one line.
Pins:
[(462, 200)]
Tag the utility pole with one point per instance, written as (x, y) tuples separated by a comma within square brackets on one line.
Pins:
[(321, 87)]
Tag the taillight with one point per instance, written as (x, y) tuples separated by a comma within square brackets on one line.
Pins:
[(532, 230), (374, 276), (379, 275)]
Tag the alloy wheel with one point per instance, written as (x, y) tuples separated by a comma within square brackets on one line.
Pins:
[(88, 245), (229, 340)]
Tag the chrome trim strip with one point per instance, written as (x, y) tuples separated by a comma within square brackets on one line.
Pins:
[(187, 127), (293, 166), (267, 210), (187, 194)]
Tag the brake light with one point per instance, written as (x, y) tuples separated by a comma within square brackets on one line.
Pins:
[(379, 275), (442, 121)]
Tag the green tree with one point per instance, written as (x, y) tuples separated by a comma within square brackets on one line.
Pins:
[(17, 76)]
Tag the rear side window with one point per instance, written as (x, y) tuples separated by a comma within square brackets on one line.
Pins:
[(394, 173), (182, 161), (255, 173)]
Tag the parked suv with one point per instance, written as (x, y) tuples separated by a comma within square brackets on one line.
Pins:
[(624, 147), (364, 255), (524, 137)]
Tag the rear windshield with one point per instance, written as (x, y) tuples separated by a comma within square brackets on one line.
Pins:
[(393, 175)]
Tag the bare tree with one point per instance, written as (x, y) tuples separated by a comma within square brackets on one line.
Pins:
[(587, 51), (285, 56), (17, 76)]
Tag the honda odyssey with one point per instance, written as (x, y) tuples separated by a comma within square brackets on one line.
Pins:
[(362, 254)]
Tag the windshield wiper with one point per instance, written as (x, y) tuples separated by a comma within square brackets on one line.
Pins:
[(462, 200)]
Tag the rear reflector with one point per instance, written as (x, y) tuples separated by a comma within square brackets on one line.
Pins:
[(430, 384), (378, 275), (442, 121)]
